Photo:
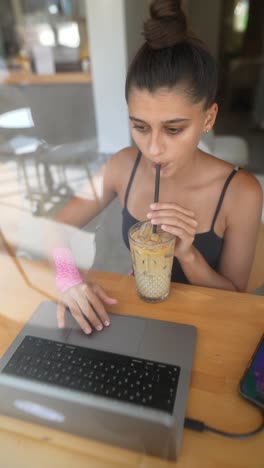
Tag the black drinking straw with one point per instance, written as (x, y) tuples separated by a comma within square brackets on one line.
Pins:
[(156, 195)]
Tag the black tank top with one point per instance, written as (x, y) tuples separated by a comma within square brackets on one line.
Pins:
[(209, 244)]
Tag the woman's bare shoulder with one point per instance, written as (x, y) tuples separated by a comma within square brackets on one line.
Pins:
[(122, 161), (246, 185), (119, 167), (212, 167), (124, 158), (219, 169), (244, 189), (245, 195)]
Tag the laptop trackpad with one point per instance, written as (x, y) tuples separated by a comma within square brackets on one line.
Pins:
[(123, 336)]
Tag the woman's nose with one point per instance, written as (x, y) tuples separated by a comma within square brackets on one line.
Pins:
[(155, 146)]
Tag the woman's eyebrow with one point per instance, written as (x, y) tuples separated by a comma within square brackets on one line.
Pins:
[(177, 120), (136, 120)]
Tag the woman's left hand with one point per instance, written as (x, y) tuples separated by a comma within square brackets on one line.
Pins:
[(176, 220)]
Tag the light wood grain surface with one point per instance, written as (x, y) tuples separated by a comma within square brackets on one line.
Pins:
[(229, 327), (26, 78)]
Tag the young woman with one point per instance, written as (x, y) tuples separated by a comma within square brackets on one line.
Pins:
[(213, 208)]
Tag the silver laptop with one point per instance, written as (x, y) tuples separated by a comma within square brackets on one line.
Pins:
[(126, 386)]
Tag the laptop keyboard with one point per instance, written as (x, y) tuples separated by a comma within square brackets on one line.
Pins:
[(137, 381)]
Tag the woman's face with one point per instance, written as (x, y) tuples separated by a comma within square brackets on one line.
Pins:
[(166, 127)]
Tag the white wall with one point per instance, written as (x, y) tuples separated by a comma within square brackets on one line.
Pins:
[(107, 45)]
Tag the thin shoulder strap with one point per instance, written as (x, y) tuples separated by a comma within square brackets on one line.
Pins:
[(132, 177), (227, 182)]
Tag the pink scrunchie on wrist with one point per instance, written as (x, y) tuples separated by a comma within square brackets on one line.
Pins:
[(67, 274)]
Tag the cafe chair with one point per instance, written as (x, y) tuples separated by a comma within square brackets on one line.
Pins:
[(18, 140), (230, 148), (42, 168)]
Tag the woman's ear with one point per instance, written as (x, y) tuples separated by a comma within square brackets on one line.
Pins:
[(210, 117)]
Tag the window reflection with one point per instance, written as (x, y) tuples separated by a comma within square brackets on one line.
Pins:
[(58, 24), (240, 19), (46, 35), (18, 118), (68, 35)]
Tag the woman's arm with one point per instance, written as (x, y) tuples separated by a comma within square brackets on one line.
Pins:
[(84, 300), (97, 195), (99, 192), (244, 209), (243, 205)]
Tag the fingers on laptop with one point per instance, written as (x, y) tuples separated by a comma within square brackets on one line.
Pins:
[(76, 313), (88, 306), (102, 294), (97, 305), (60, 315)]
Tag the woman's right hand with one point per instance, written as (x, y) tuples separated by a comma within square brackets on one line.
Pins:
[(85, 302)]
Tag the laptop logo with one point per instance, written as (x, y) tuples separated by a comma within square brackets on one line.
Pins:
[(40, 411)]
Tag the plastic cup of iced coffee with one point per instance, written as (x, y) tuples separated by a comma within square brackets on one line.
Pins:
[(152, 259)]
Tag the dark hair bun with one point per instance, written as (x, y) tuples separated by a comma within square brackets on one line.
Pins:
[(167, 24)]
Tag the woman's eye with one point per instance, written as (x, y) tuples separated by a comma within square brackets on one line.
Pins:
[(174, 130), (140, 128)]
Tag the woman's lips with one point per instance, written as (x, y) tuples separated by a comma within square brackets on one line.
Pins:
[(162, 166)]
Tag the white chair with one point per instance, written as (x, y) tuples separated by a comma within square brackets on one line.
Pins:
[(231, 148)]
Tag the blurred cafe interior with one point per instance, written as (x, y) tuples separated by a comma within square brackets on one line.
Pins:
[(63, 112)]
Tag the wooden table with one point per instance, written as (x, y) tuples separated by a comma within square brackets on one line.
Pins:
[(229, 327), (28, 78)]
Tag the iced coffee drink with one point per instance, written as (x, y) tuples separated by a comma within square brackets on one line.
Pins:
[(152, 258)]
